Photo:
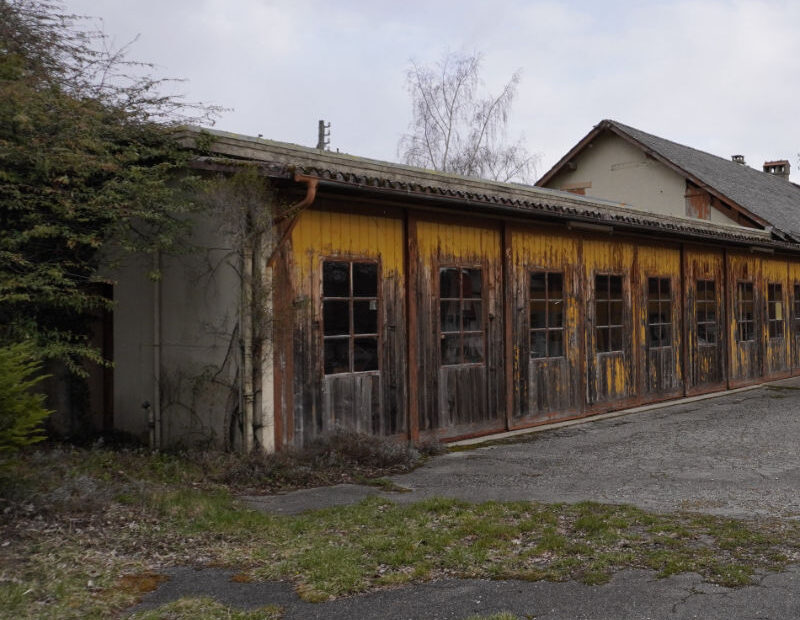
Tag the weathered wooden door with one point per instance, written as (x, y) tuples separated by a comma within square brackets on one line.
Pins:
[(546, 302), (459, 329), (705, 319), (348, 346), (610, 374), (745, 303), (794, 316), (660, 325), (775, 277)]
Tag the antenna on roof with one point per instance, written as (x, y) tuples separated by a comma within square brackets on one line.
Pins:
[(324, 136)]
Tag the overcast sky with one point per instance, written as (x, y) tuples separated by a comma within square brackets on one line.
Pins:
[(721, 76)]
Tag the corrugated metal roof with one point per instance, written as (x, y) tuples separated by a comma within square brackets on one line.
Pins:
[(768, 196), (285, 160)]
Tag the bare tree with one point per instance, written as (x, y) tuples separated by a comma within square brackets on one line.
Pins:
[(456, 129)]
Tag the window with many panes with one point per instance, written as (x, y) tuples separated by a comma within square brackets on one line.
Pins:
[(706, 312), (350, 316), (775, 309), (461, 315), (608, 313), (659, 312), (745, 318), (546, 299), (796, 309)]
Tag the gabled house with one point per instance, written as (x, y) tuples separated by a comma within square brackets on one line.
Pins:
[(617, 162)]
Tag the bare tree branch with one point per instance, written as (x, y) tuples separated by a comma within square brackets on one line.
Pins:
[(453, 129)]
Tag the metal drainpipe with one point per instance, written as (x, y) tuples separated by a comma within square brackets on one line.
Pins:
[(155, 429), (247, 345)]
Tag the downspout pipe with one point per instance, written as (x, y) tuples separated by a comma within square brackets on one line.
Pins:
[(249, 271), (155, 410)]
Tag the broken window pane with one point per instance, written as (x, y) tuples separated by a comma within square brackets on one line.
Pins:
[(337, 355), (336, 317), (601, 334), (365, 317), (335, 279), (365, 279), (365, 354)]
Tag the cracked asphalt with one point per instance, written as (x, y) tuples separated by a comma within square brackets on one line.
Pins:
[(734, 455)]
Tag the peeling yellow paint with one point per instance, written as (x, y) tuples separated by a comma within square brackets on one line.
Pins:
[(330, 233)]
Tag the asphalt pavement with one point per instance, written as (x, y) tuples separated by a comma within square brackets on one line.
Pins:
[(734, 455)]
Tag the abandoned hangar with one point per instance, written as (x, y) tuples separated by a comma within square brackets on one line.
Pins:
[(413, 304)]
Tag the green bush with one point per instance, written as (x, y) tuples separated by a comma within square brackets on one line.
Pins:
[(22, 409)]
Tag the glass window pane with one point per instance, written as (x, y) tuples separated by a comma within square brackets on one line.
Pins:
[(601, 287), (449, 283), (365, 354), (555, 314), (711, 334), (702, 337), (601, 309), (473, 348), (539, 344), (555, 285), (451, 349), (778, 311), (472, 283), (335, 279), (615, 315), (711, 313), (652, 288), (615, 287), (336, 317), (601, 336), (538, 314), (536, 289), (665, 288), (666, 335), (450, 311), (365, 317), (710, 289), (337, 355), (555, 343), (473, 320), (615, 338), (653, 312), (365, 279)]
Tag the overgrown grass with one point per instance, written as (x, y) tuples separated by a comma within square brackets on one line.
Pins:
[(86, 533), (203, 608)]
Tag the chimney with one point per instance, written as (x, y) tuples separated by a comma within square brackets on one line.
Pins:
[(737, 159), (780, 168)]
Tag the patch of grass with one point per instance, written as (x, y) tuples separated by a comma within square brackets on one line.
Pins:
[(203, 608), (90, 533)]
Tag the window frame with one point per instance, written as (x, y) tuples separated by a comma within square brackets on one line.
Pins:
[(461, 267), (609, 326), (742, 323), (660, 301), (350, 299), (773, 323), (702, 305), (547, 329)]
